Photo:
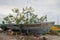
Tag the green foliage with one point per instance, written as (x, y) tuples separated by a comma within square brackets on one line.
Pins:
[(7, 20), (43, 18), (3, 27), (3, 22), (27, 16), (15, 10)]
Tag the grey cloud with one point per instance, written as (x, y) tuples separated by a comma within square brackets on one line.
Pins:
[(49, 7), (12, 2)]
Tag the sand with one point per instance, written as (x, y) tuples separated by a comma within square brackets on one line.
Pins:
[(3, 36)]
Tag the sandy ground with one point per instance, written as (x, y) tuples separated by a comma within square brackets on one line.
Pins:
[(9, 37)]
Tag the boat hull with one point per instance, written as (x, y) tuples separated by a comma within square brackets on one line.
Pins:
[(41, 28)]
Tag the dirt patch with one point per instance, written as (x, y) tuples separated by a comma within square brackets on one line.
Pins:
[(31, 37)]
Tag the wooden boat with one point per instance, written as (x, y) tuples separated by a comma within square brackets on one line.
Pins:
[(40, 28)]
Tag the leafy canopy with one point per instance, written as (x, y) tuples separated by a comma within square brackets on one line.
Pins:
[(27, 16)]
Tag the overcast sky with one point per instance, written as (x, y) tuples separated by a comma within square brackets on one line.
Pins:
[(51, 8)]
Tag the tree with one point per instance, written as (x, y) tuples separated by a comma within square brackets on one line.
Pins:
[(19, 16), (3, 22), (7, 20), (27, 16), (29, 13), (43, 18)]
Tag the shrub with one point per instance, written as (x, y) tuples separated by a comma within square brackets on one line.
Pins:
[(3, 27)]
